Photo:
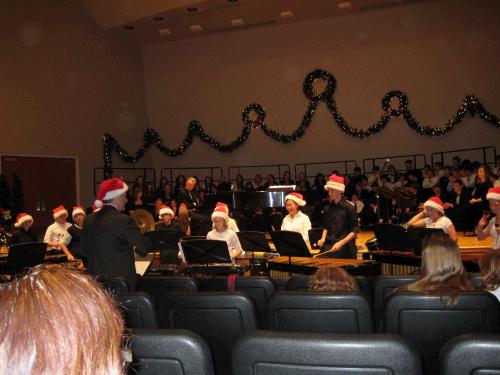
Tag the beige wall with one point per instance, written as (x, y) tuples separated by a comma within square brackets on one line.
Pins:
[(436, 52), (64, 83)]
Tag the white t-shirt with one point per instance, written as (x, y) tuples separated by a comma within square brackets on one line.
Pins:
[(495, 234), (58, 232), (233, 243), (443, 223), (300, 223)]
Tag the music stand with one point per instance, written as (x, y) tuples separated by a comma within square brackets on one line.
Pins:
[(205, 251), (290, 244), (417, 236), (253, 241), (391, 237), (165, 241), (26, 255)]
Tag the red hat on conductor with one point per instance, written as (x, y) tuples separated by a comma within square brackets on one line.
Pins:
[(109, 189)]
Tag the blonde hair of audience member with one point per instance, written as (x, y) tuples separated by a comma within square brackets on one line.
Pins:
[(56, 320), (442, 271), (332, 279), (490, 271)]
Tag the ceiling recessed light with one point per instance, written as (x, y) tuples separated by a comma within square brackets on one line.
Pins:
[(237, 22), (158, 18), (344, 5), (232, 1), (286, 14), (196, 28), (129, 27), (164, 32), (192, 9)]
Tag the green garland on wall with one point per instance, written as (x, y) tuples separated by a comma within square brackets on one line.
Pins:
[(470, 105)]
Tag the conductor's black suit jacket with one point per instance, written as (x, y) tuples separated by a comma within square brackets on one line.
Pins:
[(108, 241)]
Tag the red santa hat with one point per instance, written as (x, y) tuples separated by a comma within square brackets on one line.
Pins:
[(296, 197), (220, 211), (59, 211), (22, 218), (494, 194), (95, 208), (221, 204), (78, 210), (164, 209), (109, 189), (436, 203), (336, 183)]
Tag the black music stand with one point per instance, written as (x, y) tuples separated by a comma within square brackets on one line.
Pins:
[(205, 252), (417, 236), (253, 241), (165, 241), (25, 255), (290, 244), (391, 237)]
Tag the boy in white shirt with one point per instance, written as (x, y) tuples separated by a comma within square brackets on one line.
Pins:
[(221, 232), (58, 231)]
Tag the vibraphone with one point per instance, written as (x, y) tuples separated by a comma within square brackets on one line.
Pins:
[(284, 266), (404, 262)]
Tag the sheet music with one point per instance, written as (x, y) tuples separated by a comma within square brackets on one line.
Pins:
[(142, 263)]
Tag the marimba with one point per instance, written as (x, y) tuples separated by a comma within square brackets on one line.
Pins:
[(284, 266)]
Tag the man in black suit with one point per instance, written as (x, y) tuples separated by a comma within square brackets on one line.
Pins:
[(109, 237), (457, 205), (188, 197)]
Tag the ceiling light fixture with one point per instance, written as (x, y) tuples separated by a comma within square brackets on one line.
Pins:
[(158, 18), (286, 14), (164, 32), (192, 9), (129, 27)]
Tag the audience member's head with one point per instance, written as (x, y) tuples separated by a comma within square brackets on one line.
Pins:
[(442, 271), (56, 320), (332, 279), (490, 271)]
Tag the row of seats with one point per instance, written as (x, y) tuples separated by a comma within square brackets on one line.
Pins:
[(261, 288), (181, 352), (221, 317)]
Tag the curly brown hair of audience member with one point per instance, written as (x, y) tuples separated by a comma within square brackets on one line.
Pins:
[(332, 279), (56, 320), (490, 271), (442, 272)]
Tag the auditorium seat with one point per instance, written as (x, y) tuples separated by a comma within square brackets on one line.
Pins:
[(382, 287), (172, 352), (258, 288), (138, 309), (473, 354), (219, 317), (320, 312), (280, 282), (113, 285), (285, 353), (429, 323), (158, 286)]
